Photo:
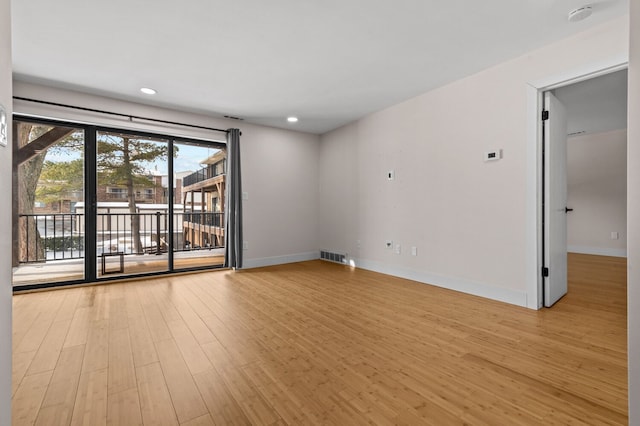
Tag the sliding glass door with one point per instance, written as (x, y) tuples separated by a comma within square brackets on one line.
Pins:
[(48, 189), (96, 204), (199, 185), (132, 210)]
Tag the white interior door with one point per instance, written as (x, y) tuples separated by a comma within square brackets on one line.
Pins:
[(555, 200)]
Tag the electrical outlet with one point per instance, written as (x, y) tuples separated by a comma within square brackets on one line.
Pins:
[(414, 251), (358, 244), (398, 249), (615, 235), (388, 244), (493, 155), (245, 245)]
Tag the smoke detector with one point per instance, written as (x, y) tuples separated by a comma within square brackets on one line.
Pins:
[(580, 14)]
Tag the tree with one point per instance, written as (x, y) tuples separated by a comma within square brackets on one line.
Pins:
[(121, 161), (28, 175), (60, 179), (32, 142)]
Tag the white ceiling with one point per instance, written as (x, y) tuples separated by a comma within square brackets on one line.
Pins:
[(328, 62), (596, 105)]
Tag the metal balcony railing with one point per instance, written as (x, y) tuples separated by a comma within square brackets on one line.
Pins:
[(204, 174), (115, 232), (206, 218), (49, 237)]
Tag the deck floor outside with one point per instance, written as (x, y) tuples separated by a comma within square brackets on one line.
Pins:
[(60, 271)]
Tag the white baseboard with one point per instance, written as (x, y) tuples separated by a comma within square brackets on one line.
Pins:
[(599, 251), (514, 297), (280, 260)]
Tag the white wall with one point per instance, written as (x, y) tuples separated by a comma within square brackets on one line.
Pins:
[(597, 191), (5, 225), (279, 169), (633, 212), (280, 176), (468, 219)]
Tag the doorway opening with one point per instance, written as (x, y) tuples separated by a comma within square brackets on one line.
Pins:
[(583, 210)]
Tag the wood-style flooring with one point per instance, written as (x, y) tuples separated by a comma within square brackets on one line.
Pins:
[(319, 343)]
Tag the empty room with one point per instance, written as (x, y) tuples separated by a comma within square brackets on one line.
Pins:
[(292, 213)]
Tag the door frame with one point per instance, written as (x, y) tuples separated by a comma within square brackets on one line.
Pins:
[(534, 181)]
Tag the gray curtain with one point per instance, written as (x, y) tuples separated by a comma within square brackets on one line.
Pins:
[(233, 203)]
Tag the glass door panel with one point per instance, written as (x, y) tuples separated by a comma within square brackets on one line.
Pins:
[(157, 203), (48, 219), (132, 210), (199, 188)]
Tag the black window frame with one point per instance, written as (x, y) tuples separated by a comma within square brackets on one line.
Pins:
[(90, 196)]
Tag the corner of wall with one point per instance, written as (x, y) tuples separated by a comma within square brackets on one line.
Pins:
[(633, 211), (280, 260), (5, 212)]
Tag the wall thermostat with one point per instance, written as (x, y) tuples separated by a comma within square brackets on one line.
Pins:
[(493, 155)]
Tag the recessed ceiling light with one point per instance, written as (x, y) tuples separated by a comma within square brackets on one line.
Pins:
[(292, 119), (148, 91), (580, 14)]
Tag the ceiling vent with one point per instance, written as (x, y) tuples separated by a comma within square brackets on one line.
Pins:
[(231, 117)]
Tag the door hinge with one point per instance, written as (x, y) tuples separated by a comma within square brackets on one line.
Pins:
[(545, 271), (545, 115)]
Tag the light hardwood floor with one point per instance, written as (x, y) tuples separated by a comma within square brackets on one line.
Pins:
[(318, 343)]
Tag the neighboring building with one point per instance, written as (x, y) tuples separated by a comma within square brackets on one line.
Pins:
[(60, 206), (64, 204), (203, 200), (153, 193)]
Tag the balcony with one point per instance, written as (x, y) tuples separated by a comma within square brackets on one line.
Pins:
[(204, 229), (205, 174), (51, 247)]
